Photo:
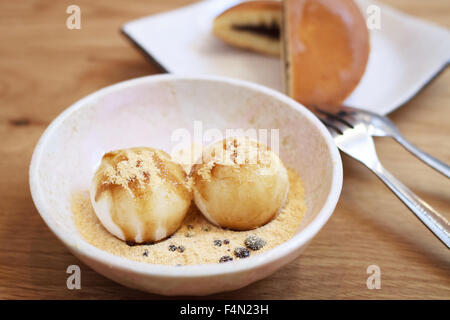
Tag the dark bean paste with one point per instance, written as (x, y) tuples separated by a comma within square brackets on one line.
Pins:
[(272, 31)]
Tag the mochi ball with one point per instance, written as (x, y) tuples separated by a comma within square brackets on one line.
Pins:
[(239, 183), (140, 195)]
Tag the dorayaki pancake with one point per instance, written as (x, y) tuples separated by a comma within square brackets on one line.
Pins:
[(326, 48), (253, 25)]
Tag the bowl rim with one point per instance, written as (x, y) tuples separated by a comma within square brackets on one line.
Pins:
[(84, 249)]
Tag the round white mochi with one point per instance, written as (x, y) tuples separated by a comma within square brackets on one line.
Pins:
[(240, 184), (140, 195)]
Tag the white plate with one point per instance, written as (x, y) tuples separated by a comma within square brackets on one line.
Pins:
[(406, 53)]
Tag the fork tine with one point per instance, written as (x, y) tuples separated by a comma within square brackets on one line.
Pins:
[(358, 114), (333, 129), (337, 117), (335, 120), (345, 115)]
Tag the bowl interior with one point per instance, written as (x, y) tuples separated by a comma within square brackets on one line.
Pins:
[(147, 112)]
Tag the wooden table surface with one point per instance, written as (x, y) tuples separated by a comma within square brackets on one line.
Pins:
[(45, 67)]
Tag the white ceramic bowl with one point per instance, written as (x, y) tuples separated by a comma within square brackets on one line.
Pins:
[(145, 112)]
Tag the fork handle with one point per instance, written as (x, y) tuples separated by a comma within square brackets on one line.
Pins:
[(437, 223), (425, 157)]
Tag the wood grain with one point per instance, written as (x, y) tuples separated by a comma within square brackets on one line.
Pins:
[(45, 67)]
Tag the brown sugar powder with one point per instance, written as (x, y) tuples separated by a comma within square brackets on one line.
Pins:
[(131, 166), (136, 168), (197, 241)]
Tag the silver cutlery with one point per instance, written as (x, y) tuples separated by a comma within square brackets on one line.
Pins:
[(352, 131), (380, 126)]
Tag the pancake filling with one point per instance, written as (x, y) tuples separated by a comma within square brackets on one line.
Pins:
[(271, 31)]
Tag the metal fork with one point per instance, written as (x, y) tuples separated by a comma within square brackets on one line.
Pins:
[(380, 126), (353, 137)]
